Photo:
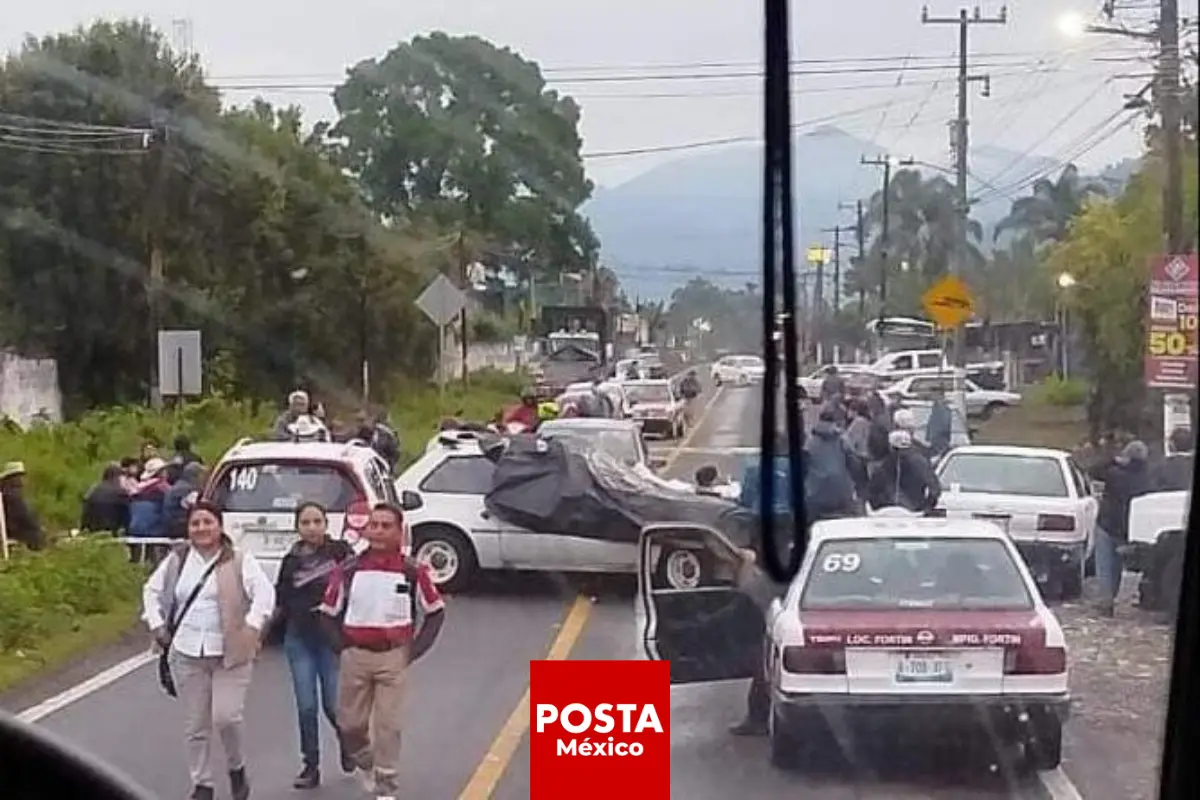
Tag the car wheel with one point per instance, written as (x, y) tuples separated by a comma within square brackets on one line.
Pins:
[(1043, 745), (1071, 582), (784, 748), (989, 410), (450, 556), (684, 569)]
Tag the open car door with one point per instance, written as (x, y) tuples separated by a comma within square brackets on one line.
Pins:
[(712, 632)]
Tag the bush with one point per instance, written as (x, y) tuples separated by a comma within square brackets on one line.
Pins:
[(64, 460), (51, 592), (1061, 392)]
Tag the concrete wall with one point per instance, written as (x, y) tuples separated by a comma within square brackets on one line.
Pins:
[(29, 389), (502, 356)]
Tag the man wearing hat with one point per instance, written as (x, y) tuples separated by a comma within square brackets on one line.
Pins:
[(21, 524), (298, 406)]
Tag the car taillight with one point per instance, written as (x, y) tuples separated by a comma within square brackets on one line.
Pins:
[(1035, 660), (814, 660), (1055, 522)]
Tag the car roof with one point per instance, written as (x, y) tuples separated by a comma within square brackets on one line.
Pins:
[(903, 528), (246, 450), (1010, 450)]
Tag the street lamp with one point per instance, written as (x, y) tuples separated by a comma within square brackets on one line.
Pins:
[(1066, 280), (1073, 25)]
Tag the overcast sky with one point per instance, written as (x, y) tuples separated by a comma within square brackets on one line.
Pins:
[(1050, 95)]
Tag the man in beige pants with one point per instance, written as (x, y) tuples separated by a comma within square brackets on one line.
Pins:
[(372, 606)]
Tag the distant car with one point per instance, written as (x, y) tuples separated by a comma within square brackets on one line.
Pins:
[(658, 405), (738, 370), (621, 439), (890, 622), (981, 403), (855, 376), (1038, 496)]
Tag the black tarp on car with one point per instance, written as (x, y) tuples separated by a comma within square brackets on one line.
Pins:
[(551, 488)]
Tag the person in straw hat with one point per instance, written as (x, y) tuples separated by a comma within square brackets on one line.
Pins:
[(20, 523)]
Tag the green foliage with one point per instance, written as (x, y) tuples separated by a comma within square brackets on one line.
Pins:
[(52, 592), (1061, 392), (734, 315), (64, 460)]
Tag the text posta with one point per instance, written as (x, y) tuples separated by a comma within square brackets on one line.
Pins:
[(577, 718)]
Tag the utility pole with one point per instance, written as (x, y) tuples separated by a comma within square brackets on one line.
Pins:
[(837, 231), (154, 218), (860, 235), (461, 250), (964, 21), (1169, 100), (887, 162)]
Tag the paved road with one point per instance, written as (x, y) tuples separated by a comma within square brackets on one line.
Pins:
[(465, 692)]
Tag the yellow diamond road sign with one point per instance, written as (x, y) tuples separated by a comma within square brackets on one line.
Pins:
[(948, 302)]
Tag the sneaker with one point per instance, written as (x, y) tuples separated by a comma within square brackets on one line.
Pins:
[(309, 778), (239, 787), (366, 779)]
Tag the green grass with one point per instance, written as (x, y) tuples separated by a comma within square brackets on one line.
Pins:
[(1036, 425), (60, 649)]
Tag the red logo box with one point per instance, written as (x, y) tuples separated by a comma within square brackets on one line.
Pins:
[(599, 729)]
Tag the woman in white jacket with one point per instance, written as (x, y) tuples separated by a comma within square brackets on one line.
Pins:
[(206, 605)]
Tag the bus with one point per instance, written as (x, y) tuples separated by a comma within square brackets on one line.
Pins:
[(889, 334)]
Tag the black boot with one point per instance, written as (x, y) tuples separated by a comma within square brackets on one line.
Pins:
[(309, 777), (239, 787), (749, 727), (202, 793)]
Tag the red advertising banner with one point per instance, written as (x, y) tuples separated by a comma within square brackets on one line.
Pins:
[(1171, 339)]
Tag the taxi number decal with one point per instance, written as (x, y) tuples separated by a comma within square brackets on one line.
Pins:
[(841, 562), (243, 480)]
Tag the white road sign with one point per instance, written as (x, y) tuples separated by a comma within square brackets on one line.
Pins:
[(441, 301)]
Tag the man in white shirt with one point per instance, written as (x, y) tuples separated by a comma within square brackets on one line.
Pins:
[(214, 641)]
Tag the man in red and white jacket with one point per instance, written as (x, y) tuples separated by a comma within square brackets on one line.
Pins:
[(384, 612)]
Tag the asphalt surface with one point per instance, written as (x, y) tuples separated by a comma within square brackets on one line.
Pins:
[(465, 690)]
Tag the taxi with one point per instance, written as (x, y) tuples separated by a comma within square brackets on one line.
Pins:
[(928, 624)]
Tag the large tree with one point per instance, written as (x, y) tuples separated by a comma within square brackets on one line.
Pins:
[(455, 129), (1046, 212)]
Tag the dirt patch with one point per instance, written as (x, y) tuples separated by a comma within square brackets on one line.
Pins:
[(1035, 425), (1120, 672)]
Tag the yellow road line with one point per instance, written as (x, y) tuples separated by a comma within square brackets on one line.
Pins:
[(691, 434), (504, 746)]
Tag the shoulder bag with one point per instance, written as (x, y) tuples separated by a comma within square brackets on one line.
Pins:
[(165, 678)]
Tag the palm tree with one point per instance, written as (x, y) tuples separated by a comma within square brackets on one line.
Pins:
[(1046, 212)]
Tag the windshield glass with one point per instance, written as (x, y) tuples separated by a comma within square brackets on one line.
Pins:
[(1031, 476), (267, 486), (934, 573), (753, 362), (648, 393)]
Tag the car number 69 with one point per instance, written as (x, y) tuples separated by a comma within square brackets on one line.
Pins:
[(841, 562)]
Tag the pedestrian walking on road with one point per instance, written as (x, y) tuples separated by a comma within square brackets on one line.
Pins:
[(384, 612), (1125, 477), (312, 660), (207, 606)]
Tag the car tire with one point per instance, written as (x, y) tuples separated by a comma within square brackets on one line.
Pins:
[(433, 543), (681, 568), (1070, 582), (785, 750), (990, 409), (1043, 745)]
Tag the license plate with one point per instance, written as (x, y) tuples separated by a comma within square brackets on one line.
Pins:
[(998, 521), (923, 668), (271, 542)]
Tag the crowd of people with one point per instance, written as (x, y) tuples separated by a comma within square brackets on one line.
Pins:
[(352, 625), (306, 421)]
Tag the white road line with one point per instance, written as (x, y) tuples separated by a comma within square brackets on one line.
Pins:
[(1059, 786), (87, 687)]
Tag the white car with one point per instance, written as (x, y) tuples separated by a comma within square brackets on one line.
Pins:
[(619, 438), (1038, 496), (738, 370), (658, 406), (981, 403), (454, 532), (889, 622), (258, 486)]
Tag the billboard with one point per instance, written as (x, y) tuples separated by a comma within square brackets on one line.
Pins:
[(1171, 306)]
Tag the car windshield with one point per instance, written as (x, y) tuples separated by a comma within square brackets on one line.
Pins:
[(988, 473), (280, 486), (751, 362), (622, 445), (649, 393), (916, 573)]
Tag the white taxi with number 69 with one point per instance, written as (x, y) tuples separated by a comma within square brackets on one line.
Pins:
[(927, 624)]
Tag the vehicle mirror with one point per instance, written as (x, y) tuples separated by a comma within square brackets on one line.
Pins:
[(410, 500)]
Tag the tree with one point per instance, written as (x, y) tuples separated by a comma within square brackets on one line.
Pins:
[(456, 130), (733, 315), (1050, 206)]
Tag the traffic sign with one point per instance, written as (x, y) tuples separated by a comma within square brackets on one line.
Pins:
[(441, 301), (949, 302)]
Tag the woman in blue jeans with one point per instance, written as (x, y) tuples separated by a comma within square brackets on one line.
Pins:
[(311, 659)]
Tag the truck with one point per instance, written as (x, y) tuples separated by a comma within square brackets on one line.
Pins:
[(574, 344)]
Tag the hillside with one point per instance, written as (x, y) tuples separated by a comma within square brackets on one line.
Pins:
[(699, 215)]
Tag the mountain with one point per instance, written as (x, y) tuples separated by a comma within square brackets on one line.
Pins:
[(699, 215)]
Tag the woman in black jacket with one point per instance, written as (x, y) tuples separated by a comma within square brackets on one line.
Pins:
[(311, 659)]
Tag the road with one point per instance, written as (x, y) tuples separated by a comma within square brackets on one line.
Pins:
[(467, 723)]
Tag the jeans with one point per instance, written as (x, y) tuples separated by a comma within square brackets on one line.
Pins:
[(1109, 565), (314, 667)]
